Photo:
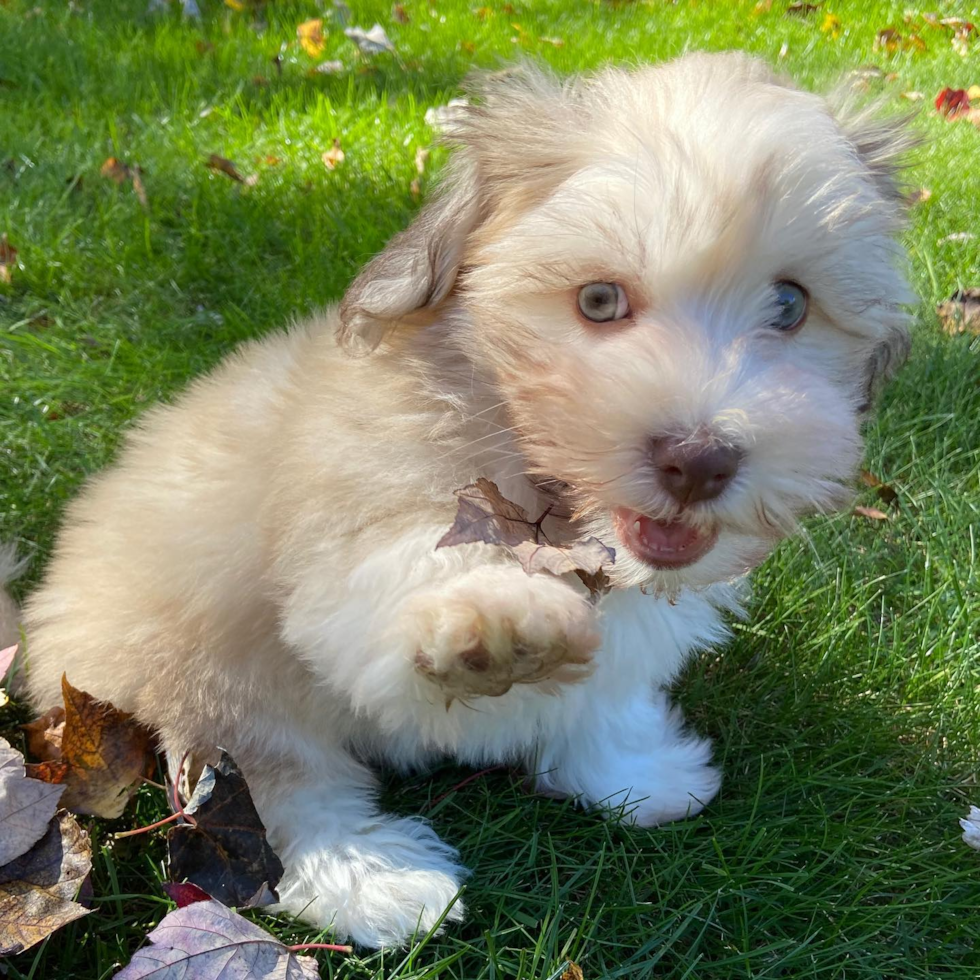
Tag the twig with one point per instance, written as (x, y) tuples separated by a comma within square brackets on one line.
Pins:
[(336, 948), (178, 806)]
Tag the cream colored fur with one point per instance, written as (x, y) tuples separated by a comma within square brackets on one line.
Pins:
[(258, 570)]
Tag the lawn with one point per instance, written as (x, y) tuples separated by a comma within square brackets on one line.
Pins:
[(846, 714)]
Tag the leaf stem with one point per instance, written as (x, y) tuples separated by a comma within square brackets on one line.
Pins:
[(333, 946)]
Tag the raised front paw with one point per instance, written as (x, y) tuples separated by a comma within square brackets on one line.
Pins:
[(497, 627)]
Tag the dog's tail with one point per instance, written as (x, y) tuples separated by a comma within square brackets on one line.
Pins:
[(10, 568)]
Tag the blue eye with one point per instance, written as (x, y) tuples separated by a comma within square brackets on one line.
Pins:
[(792, 301), (603, 301)]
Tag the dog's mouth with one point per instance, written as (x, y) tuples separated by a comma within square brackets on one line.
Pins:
[(662, 544)]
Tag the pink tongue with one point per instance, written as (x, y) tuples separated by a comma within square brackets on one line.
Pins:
[(668, 537)]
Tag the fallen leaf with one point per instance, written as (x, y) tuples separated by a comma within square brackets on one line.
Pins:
[(952, 101), (203, 47), (37, 890), (971, 828), (236, 5), (871, 513), (185, 893), (8, 258), (468, 46), (831, 25), (801, 9), (918, 196), (913, 96), (106, 753), (890, 41), (399, 14), (26, 805), (374, 41), (44, 735), (961, 312), (207, 941), (572, 971), (485, 515), (225, 166), (555, 42), (885, 491), (329, 68), (334, 156), (311, 36), (483, 13), (225, 852), (957, 236), (973, 93), (119, 173)]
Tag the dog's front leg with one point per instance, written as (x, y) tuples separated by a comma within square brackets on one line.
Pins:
[(371, 877), (416, 628)]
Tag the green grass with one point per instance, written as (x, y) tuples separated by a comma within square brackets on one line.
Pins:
[(846, 713)]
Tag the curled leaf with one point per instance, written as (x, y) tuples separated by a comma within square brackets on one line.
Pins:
[(225, 852), (961, 312), (374, 41), (26, 805)]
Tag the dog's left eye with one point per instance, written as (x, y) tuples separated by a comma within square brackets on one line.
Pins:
[(603, 301), (792, 301)]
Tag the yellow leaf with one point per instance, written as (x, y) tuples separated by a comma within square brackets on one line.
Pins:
[(235, 5), (311, 36), (973, 92), (831, 26)]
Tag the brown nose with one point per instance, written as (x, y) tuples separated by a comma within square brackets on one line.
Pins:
[(694, 469)]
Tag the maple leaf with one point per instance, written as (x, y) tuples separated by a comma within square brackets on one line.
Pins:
[(951, 102), (961, 312), (8, 258), (334, 156), (207, 941), (185, 893), (26, 805), (104, 756), (37, 890), (311, 36), (485, 515), (225, 852), (374, 41)]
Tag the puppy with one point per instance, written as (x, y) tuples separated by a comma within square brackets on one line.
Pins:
[(660, 302)]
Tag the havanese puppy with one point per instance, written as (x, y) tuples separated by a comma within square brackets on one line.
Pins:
[(657, 301)]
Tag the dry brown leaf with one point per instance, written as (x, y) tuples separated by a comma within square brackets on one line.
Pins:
[(484, 13), (572, 971), (399, 14), (961, 312), (871, 513), (485, 515), (468, 46), (44, 735), (918, 196), (333, 157), (38, 889), (8, 258), (120, 172), (225, 166), (106, 753), (801, 9), (885, 491), (311, 36)]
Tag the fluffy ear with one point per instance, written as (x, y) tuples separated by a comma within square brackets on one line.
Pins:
[(882, 142), (418, 267)]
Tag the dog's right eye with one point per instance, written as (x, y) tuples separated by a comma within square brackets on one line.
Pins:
[(603, 301)]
